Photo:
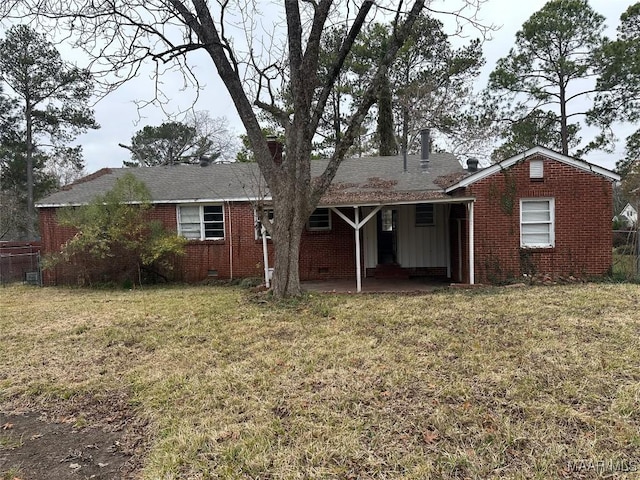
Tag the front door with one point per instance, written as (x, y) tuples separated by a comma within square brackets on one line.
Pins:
[(387, 236)]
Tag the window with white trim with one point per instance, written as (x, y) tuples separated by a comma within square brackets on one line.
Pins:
[(320, 219), (425, 215), (201, 222), (258, 223), (537, 217)]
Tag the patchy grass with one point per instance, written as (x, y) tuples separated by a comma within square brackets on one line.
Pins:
[(11, 474), (624, 267), (495, 383)]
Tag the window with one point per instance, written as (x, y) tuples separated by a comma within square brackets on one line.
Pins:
[(320, 219), (269, 212), (201, 222), (386, 220), (424, 215), (537, 223)]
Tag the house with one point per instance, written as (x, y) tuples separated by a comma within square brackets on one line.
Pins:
[(628, 216), (426, 215)]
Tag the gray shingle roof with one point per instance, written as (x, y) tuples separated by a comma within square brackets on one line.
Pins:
[(358, 180)]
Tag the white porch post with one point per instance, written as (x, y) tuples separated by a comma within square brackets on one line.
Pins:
[(357, 225), (357, 233), (460, 250), (265, 256), (471, 244)]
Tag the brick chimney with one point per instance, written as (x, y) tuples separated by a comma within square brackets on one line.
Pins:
[(276, 148)]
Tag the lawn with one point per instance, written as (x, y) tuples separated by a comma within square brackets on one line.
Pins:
[(534, 382)]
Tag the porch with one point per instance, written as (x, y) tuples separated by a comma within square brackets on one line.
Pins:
[(377, 285), (410, 244)]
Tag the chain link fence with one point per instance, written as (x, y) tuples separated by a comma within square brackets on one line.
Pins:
[(625, 254), (20, 262)]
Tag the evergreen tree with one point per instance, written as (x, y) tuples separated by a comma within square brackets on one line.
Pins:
[(619, 83), (543, 75), (53, 97)]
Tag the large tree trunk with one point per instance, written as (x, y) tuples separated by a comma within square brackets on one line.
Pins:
[(31, 213), (292, 205), (286, 279), (386, 135)]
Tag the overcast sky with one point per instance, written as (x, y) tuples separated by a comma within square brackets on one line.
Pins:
[(120, 118)]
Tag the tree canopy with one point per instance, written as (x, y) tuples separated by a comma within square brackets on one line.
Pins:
[(619, 82), (51, 99), (535, 87), (427, 86), (199, 137)]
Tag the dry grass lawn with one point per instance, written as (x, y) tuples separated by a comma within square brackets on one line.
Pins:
[(540, 382)]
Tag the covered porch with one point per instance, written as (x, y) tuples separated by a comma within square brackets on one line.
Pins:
[(412, 245)]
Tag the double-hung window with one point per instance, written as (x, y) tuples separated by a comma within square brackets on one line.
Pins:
[(537, 217), (201, 222)]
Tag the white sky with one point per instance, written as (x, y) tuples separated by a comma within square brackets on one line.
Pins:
[(120, 118)]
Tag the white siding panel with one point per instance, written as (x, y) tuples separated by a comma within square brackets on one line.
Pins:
[(370, 239), (422, 246)]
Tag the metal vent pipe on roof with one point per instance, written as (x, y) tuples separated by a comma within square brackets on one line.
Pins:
[(425, 141)]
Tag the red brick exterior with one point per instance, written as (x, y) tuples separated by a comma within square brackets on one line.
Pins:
[(583, 210), (583, 237), (327, 254)]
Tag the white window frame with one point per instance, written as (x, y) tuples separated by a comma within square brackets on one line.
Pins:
[(433, 215), (201, 221), (258, 224), (323, 228), (550, 222)]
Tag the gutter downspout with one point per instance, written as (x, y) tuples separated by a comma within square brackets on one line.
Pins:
[(265, 256), (230, 242), (471, 245)]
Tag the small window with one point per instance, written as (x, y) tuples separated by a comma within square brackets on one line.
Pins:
[(537, 223), (320, 219), (201, 222), (425, 215), (258, 223), (387, 220), (536, 169)]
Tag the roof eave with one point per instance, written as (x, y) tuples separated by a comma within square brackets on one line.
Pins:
[(486, 172), (165, 202)]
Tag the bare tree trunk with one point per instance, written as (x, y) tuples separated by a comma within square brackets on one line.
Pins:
[(291, 209), (564, 130), (31, 214), (286, 279)]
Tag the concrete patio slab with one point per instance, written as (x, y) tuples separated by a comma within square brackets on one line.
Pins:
[(376, 285)]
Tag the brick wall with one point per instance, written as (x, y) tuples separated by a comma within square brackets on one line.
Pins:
[(583, 203), (325, 254)]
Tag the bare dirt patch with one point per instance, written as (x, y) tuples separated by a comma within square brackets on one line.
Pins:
[(82, 438)]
